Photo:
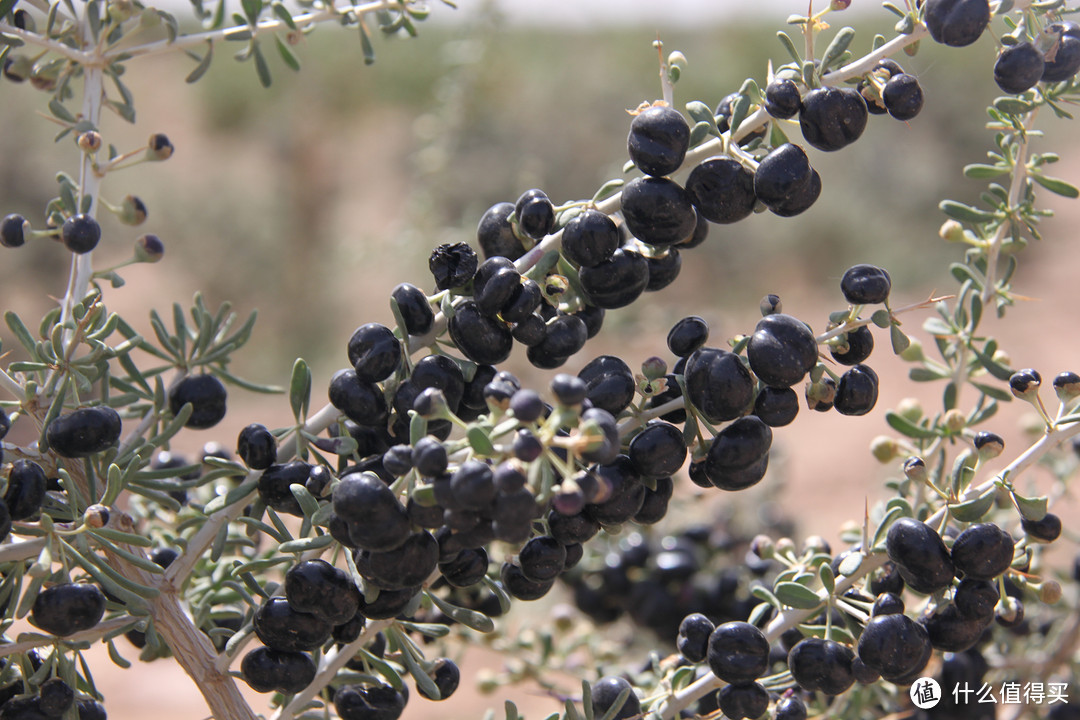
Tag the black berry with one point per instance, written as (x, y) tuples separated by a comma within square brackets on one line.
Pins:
[(207, 397), (718, 384), (865, 285), (658, 211), (616, 282), (13, 231), (893, 644), (919, 555), (606, 692), (25, 491), (782, 99), (414, 307), (1046, 530), (903, 96), (280, 627), (80, 233), (782, 350), (776, 407), (83, 432), (722, 189), (857, 391), (257, 447), (590, 238), (982, 551), (1066, 52), (496, 235), (738, 653), (743, 701), (267, 670), (832, 118), (860, 343), (482, 339), (784, 178), (956, 22), (274, 483), (374, 352), (535, 214), (319, 588), (68, 608), (693, 639), (1018, 68), (824, 665), (658, 140)]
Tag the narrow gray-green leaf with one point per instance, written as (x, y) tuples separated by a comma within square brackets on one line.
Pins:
[(22, 334), (836, 48), (469, 618), (261, 68), (905, 427), (317, 542), (283, 13), (287, 55)]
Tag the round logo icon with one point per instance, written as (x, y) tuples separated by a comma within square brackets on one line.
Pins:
[(925, 693)]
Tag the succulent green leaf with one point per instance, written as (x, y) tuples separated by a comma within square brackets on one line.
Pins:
[(797, 595), (1056, 185), (979, 171), (480, 442), (300, 389), (1012, 106), (828, 580), (900, 341), (836, 48), (699, 132), (964, 213), (974, 510), (764, 594), (700, 112), (1032, 508), (789, 46), (850, 565)]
